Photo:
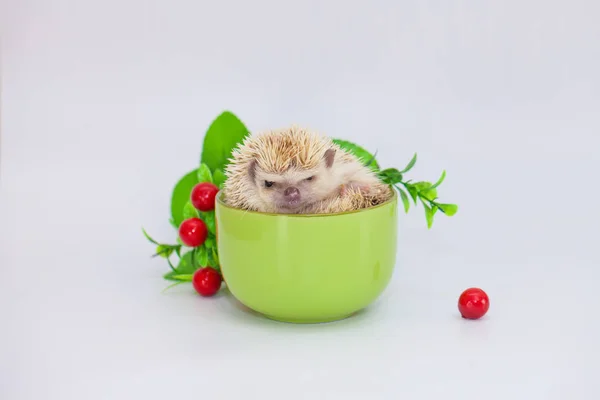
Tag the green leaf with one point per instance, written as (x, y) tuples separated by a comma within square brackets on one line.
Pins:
[(209, 220), (430, 194), (181, 195), (426, 190), (201, 256), (148, 237), (413, 192), (214, 259), (390, 176), (429, 213), (366, 157), (173, 224), (225, 133), (448, 209), (439, 181), (372, 161), (404, 198), (164, 251), (209, 257), (410, 164), (424, 185), (185, 266), (183, 277), (204, 174), (219, 178), (189, 211), (209, 243)]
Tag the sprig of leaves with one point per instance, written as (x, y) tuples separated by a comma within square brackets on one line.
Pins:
[(189, 261), (423, 191), (164, 250), (224, 134)]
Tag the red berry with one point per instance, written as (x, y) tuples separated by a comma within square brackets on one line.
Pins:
[(473, 303), (193, 232), (206, 281), (203, 196)]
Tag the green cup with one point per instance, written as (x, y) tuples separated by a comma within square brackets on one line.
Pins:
[(307, 268)]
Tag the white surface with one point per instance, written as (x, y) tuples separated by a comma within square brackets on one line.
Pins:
[(103, 108)]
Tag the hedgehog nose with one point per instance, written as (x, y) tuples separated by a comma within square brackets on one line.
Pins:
[(291, 193)]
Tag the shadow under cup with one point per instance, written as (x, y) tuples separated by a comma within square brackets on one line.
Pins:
[(307, 268)]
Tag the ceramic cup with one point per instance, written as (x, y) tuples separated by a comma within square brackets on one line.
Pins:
[(307, 268)]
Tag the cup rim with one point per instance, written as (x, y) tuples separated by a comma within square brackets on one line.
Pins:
[(221, 203)]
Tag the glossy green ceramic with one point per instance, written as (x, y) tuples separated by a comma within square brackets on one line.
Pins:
[(307, 268)]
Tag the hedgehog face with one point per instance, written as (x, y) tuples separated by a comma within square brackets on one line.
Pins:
[(291, 190), (294, 189)]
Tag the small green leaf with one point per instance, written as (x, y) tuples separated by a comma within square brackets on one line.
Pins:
[(209, 220), (430, 194), (363, 155), (164, 251), (439, 181), (189, 211), (429, 213), (183, 277), (391, 176), (410, 164), (173, 224), (148, 237), (426, 190), (209, 243), (413, 192), (448, 209), (219, 178), (215, 259), (204, 174), (202, 256), (211, 259), (404, 198), (423, 185), (181, 195), (224, 134), (185, 266)]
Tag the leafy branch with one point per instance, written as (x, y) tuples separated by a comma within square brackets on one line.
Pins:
[(423, 191), (225, 133), (197, 257), (163, 249)]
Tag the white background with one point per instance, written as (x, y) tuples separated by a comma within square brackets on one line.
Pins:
[(104, 107)]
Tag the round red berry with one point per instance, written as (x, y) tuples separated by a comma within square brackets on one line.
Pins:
[(203, 196), (193, 232), (206, 281), (473, 303)]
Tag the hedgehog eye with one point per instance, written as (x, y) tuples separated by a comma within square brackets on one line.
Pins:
[(310, 178), (268, 184)]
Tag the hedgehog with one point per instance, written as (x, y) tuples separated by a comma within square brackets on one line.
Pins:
[(298, 171)]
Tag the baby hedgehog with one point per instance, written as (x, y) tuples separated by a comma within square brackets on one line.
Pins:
[(295, 171)]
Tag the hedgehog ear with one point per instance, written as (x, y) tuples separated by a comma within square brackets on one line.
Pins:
[(252, 170), (329, 156)]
